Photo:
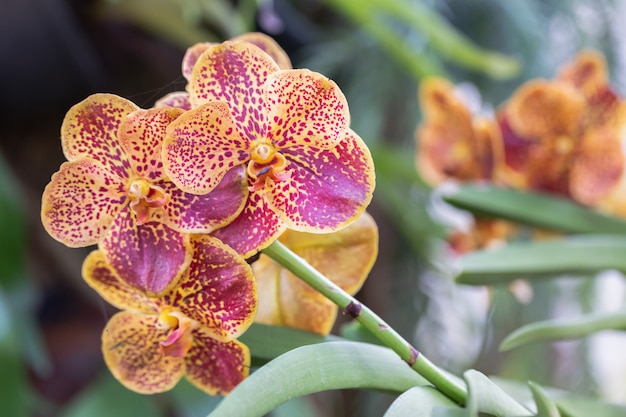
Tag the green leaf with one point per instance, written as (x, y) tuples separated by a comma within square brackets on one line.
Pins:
[(545, 406), (419, 402), (268, 342), (486, 397), (572, 406), (534, 209), (315, 368), (571, 255), (565, 329), (107, 397)]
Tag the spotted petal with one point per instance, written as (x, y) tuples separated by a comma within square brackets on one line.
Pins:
[(81, 201), (90, 129), (141, 136), (190, 213), (216, 367), (191, 56), (201, 146), (100, 276), (177, 99), (587, 72), (150, 257), (218, 290), (305, 108), (269, 46), (327, 188), (234, 72), (255, 228), (130, 344)]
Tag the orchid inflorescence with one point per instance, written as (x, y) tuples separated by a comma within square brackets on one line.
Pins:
[(178, 196), (562, 136)]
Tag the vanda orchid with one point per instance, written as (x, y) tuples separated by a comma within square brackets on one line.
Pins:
[(288, 128), (114, 192), (189, 331)]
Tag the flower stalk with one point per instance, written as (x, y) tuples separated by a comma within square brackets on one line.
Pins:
[(366, 317)]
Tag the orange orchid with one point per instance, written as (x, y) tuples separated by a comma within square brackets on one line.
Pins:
[(188, 331), (180, 99), (288, 128), (453, 143), (346, 257), (113, 191), (564, 135)]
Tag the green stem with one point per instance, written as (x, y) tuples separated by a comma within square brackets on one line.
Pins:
[(368, 319)]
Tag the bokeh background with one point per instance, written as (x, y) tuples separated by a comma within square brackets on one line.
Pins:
[(54, 53)]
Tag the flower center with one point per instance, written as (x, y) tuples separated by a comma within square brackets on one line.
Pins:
[(145, 198), (266, 162), (179, 340)]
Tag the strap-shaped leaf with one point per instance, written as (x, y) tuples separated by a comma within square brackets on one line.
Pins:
[(486, 397), (534, 209), (565, 329), (571, 255), (268, 342), (315, 368), (545, 406), (419, 402)]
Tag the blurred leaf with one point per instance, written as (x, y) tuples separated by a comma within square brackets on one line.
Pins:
[(569, 255), (564, 329), (107, 397), (572, 406), (296, 407), (569, 405), (12, 228), (534, 209), (268, 342), (356, 332), (419, 402), (316, 368), (13, 384), (373, 15), (545, 406), (164, 18), (486, 397), (189, 401)]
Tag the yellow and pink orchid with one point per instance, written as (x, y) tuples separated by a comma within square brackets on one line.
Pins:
[(114, 192), (189, 331), (289, 129), (564, 135)]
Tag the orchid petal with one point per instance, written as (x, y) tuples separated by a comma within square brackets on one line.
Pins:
[(542, 110), (81, 201), (597, 166), (201, 146), (327, 189), (268, 45), (587, 72), (218, 290), (177, 99), (99, 275), (130, 344), (234, 72), (304, 107), (150, 257), (190, 213), (141, 135), (191, 57), (345, 257), (216, 367), (254, 229), (90, 129)]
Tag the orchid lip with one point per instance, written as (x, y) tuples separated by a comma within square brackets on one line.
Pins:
[(145, 198)]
